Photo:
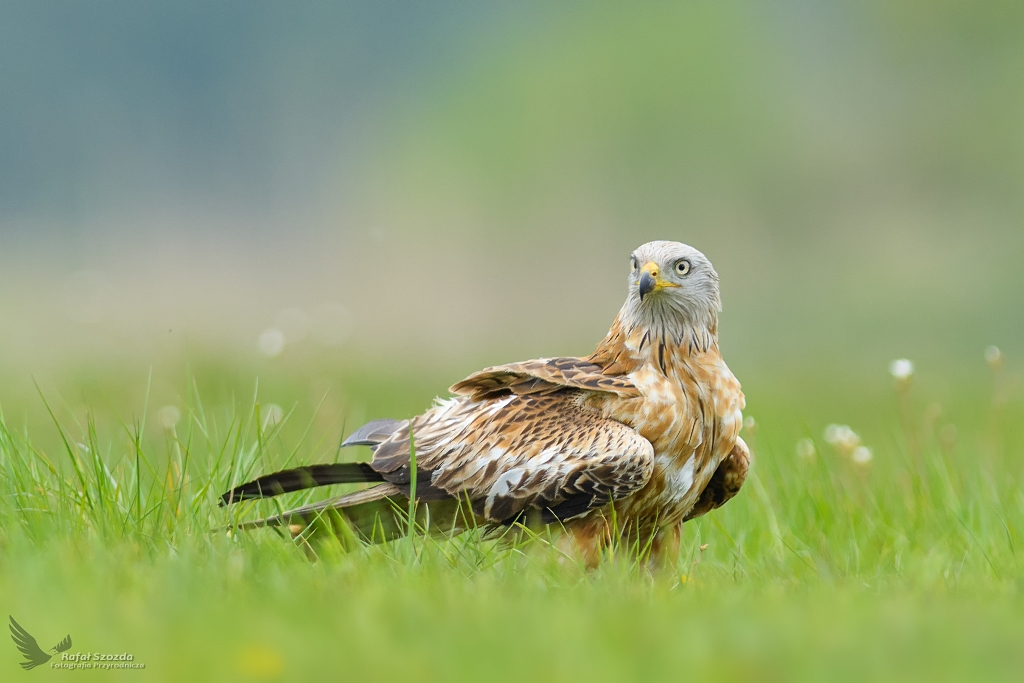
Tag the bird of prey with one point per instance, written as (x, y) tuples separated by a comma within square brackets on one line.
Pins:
[(624, 444), (29, 648)]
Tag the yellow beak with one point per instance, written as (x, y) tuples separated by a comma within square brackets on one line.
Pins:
[(651, 280)]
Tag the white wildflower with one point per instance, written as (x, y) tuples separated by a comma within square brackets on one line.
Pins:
[(842, 437), (994, 357), (901, 369), (805, 449), (862, 455), (832, 433), (271, 342), (749, 424), (169, 417)]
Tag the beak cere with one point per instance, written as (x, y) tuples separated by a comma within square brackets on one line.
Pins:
[(647, 282)]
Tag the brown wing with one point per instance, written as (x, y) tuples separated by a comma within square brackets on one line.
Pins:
[(514, 453), (725, 482), (544, 375)]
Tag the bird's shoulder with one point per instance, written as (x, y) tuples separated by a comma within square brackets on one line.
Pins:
[(545, 376)]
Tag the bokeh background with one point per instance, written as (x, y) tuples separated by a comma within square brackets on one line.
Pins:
[(333, 197)]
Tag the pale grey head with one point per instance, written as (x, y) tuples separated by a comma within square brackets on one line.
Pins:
[(672, 286)]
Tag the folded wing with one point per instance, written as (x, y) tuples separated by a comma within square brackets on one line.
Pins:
[(520, 452), (541, 376), (515, 438)]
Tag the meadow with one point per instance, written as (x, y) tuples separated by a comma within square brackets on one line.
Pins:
[(883, 551)]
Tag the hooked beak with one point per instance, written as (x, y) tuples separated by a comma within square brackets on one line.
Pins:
[(651, 281), (647, 283)]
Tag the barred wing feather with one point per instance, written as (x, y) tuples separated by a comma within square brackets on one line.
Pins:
[(507, 455)]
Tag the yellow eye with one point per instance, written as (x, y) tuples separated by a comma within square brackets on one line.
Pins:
[(682, 267)]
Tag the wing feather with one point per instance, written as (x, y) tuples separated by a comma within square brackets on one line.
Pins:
[(514, 453), (515, 438), (544, 375)]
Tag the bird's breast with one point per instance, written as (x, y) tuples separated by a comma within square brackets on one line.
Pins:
[(691, 414), (669, 412)]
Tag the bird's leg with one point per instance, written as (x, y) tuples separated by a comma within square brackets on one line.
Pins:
[(586, 540), (665, 547)]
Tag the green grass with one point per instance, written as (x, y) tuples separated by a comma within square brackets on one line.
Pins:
[(821, 569)]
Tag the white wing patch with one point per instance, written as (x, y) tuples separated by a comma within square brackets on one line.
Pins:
[(685, 480), (678, 480), (503, 486)]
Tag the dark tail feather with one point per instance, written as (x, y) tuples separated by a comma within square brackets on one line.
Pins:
[(375, 515), (308, 513), (370, 434), (302, 478)]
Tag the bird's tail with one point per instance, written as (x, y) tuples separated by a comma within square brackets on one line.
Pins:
[(374, 515), (299, 478)]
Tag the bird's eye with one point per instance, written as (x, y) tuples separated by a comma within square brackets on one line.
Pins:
[(682, 267), (633, 265)]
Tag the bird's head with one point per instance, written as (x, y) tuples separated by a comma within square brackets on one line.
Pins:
[(672, 286)]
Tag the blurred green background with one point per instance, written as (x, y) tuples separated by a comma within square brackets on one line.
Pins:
[(459, 183), (402, 193), (357, 204)]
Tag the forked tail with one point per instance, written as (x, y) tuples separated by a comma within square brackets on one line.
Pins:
[(378, 513), (299, 478)]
